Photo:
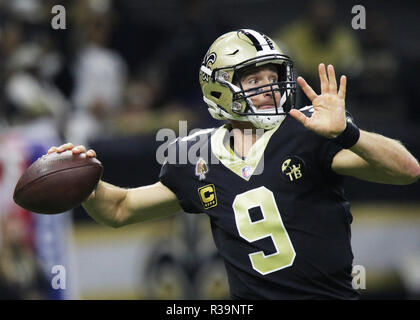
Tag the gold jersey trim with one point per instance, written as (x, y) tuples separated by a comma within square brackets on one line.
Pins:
[(231, 160)]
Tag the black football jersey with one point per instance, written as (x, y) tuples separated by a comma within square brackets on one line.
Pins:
[(279, 217)]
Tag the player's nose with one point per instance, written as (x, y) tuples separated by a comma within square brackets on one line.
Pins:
[(268, 87), (269, 90)]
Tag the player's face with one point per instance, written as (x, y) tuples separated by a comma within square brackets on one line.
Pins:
[(262, 76)]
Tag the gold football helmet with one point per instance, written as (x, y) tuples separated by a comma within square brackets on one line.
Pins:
[(223, 93)]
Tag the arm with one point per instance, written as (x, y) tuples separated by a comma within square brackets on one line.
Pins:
[(116, 207), (374, 157)]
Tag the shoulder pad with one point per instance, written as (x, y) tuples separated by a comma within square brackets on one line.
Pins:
[(196, 134), (178, 150)]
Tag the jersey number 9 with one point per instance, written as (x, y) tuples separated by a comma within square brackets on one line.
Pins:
[(270, 226)]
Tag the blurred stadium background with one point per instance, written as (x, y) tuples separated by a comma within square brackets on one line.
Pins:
[(121, 70)]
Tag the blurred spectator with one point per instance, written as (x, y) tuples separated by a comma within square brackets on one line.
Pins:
[(141, 114), (21, 276), (10, 39), (377, 89), (182, 53), (28, 93), (100, 76), (32, 11), (316, 38), (29, 87)]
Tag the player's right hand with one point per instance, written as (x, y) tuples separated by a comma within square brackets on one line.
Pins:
[(76, 150)]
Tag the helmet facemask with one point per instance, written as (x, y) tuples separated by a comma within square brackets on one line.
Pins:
[(242, 105), (231, 55)]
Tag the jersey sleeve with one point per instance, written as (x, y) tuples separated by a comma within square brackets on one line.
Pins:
[(175, 177), (328, 151)]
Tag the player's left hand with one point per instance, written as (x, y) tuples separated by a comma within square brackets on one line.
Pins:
[(329, 116)]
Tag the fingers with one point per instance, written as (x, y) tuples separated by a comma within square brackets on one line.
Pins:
[(65, 147), (331, 80), (329, 85), (323, 78), (79, 149), (82, 149), (342, 90), (52, 149), (75, 150), (310, 93), (91, 153), (299, 116)]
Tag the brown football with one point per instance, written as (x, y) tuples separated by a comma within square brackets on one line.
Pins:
[(57, 182)]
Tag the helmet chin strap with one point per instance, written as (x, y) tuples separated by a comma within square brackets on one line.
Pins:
[(267, 122), (259, 121)]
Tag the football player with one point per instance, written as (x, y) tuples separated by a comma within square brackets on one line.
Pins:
[(275, 199)]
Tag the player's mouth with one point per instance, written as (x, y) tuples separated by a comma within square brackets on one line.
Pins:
[(266, 107)]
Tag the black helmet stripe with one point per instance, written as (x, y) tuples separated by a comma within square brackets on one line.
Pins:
[(261, 44), (254, 40)]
